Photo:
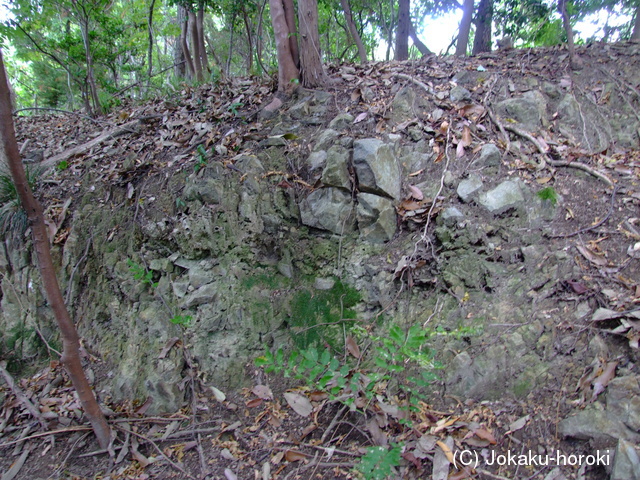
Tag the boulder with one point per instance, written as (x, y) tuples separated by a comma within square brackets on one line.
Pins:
[(328, 209), (376, 218), (377, 168), (506, 196)]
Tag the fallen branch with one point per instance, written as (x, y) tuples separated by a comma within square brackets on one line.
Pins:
[(158, 449), (22, 398), (45, 434), (422, 85), (120, 130), (557, 163)]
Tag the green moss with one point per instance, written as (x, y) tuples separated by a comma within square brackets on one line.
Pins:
[(319, 316)]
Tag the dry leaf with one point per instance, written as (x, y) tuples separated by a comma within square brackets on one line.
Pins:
[(518, 424), (592, 256), (220, 396), (446, 450), (416, 192), (466, 136), (294, 456), (600, 383), (299, 403), (168, 346), (254, 402), (352, 347), (262, 391)]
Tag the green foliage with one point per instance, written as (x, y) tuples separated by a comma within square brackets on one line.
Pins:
[(141, 273), (202, 159), (319, 316), (63, 165), (548, 194), (378, 463), (182, 320)]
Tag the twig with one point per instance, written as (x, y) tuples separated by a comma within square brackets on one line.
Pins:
[(159, 450), (559, 163), (333, 423), (505, 135), (22, 398), (75, 269), (44, 434), (71, 450), (592, 227), (422, 85)]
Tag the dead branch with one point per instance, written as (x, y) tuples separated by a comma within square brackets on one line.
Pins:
[(557, 163), (422, 85), (45, 434), (22, 398), (80, 149), (158, 449)]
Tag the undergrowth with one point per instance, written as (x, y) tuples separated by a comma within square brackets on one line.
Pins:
[(394, 373)]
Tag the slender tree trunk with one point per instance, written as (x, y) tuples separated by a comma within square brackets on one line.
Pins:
[(259, 40), (635, 36), (287, 70), (482, 40), (150, 51), (232, 31), (290, 16), (422, 48), (247, 28), (71, 351), (402, 32), (353, 31), (392, 22), (184, 28), (566, 23), (195, 45), (465, 28), (97, 107), (311, 70), (201, 44)]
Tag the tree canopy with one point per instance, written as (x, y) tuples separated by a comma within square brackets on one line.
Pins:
[(91, 54)]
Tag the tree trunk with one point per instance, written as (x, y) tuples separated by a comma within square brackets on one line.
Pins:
[(566, 23), (465, 28), (71, 351), (247, 28), (201, 45), (482, 40), (422, 48), (287, 70), (311, 70), (635, 36), (93, 90), (362, 52), (195, 45), (232, 31), (184, 27), (150, 51), (290, 16), (402, 32)]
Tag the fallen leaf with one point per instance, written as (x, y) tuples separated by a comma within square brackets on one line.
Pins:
[(352, 347), (446, 450), (466, 136), (299, 403), (262, 391), (416, 192), (294, 456), (518, 424), (592, 256), (600, 383), (168, 346), (220, 396), (253, 403)]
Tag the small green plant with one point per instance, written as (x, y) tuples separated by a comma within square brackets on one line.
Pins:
[(202, 160), (548, 194), (141, 273), (181, 320), (233, 108), (378, 463), (63, 165)]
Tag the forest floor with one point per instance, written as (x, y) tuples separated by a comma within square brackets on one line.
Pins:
[(255, 433)]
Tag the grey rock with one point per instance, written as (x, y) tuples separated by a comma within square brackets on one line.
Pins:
[(322, 283), (490, 156), (376, 218), (328, 209), (599, 426), (205, 294), (336, 171), (376, 167), (405, 106), (504, 197), (451, 216), (459, 94), (343, 120), (325, 140), (626, 463), (469, 187), (249, 164), (528, 110), (317, 160), (623, 400)]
